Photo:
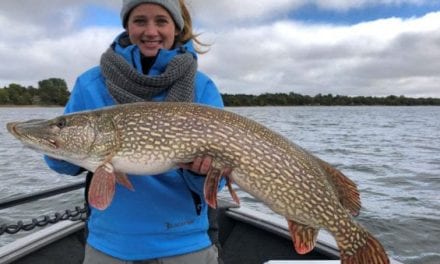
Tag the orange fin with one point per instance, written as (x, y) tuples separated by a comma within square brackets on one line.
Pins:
[(346, 189), (211, 186), (123, 180), (303, 237), (371, 252), (102, 187), (231, 190)]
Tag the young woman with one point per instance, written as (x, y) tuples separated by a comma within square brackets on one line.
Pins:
[(165, 219)]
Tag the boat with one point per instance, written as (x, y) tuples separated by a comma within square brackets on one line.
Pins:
[(246, 236)]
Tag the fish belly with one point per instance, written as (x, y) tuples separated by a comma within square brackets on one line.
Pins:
[(143, 166)]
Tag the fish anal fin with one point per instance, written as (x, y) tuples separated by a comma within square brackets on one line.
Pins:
[(102, 187), (303, 236), (123, 180), (211, 186), (346, 189)]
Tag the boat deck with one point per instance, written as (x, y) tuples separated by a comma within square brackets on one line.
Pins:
[(246, 237)]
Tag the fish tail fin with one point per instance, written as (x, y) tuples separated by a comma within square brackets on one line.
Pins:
[(366, 250)]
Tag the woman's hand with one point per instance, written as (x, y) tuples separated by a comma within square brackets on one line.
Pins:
[(200, 165)]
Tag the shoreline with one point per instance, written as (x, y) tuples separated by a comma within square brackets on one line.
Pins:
[(29, 106), (360, 105)]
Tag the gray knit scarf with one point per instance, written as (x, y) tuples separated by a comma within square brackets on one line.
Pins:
[(127, 85)]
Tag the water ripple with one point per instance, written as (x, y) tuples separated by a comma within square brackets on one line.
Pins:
[(392, 153)]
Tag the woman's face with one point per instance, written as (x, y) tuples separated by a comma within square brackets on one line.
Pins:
[(151, 28)]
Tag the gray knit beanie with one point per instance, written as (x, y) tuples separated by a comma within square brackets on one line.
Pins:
[(172, 6)]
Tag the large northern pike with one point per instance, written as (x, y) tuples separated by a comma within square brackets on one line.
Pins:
[(151, 138)]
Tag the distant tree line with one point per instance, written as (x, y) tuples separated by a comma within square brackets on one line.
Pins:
[(54, 91), (283, 99), (51, 91)]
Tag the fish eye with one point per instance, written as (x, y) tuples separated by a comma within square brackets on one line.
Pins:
[(61, 123)]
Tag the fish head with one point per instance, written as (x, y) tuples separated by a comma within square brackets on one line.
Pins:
[(67, 137)]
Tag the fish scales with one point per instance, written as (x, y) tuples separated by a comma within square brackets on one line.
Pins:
[(150, 138), (249, 170)]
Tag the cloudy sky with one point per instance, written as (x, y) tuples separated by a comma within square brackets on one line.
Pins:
[(346, 47)]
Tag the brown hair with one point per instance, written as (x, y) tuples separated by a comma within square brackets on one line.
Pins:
[(187, 31)]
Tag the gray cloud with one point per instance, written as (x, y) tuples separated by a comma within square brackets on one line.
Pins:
[(227, 13), (390, 56), (255, 48)]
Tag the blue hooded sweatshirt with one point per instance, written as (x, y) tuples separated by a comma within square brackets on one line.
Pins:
[(162, 216)]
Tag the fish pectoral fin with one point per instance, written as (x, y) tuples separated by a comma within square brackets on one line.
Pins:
[(211, 186), (346, 189), (123, 180), (303, 236), (102, 187)]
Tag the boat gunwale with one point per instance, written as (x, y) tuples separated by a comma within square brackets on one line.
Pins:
[(26, 245)]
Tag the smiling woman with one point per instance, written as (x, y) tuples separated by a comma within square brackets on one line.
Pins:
[(151, 28), (153, 59)]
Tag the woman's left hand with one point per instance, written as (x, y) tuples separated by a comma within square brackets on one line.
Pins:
[(200, 165)]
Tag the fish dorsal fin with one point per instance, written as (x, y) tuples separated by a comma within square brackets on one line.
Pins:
[(102, 187), (346, 189), (303, 236)]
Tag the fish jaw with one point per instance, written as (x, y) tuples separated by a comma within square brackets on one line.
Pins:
[(59, 138), (35, 134)]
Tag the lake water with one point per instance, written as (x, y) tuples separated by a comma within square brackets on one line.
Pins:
[(392, 153)]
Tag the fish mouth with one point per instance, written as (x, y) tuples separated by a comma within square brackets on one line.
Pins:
[(51, 143), (28, 139), (11, 129)]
